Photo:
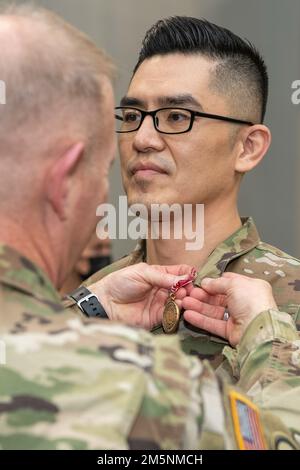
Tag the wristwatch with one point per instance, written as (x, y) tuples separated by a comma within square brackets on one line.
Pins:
[(88, 302)]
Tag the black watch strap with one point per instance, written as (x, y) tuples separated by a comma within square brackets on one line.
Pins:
[(88, 302)]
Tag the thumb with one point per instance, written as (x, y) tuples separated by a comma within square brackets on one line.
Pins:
[(163, 280), (216, 286), (231, 275)]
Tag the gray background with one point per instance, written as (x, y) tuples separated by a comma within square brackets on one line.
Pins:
[(271, 192)]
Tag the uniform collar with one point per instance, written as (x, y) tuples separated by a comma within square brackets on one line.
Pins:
[(240, 242), (20, 273), (243, 240)]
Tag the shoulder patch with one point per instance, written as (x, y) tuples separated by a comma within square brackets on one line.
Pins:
[(246, 423)]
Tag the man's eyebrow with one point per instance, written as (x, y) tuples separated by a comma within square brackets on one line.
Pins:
[(130, 101), (176, 100)]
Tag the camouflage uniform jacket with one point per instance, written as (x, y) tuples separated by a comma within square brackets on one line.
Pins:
[(242, 253), (66, 383)]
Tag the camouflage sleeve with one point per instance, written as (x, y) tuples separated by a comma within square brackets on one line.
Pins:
[(100, 385), (220, 416), (269, 363)]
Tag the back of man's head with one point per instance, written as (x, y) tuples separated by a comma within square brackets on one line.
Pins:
[(53, 75), (240, 71), (56, 136)]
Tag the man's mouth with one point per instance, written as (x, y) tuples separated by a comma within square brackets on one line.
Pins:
[(146, 170)]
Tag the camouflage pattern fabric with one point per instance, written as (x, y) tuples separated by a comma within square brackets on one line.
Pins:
[(243, 253), (70, 383)]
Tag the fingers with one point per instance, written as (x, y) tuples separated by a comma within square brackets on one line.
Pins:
[(154, 276), (212, 311), (231, 275), (156, 308), (200, 294), (160, 299), (181, 293), (164, 276), (216, 327), (179, 269), (189, 288), (216, 286), (185, 269)]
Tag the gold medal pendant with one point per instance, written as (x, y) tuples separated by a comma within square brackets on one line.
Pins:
[(171, 313), (171, 316)]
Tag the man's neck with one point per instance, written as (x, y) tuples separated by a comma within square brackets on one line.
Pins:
[(218, 226), (33, 248)]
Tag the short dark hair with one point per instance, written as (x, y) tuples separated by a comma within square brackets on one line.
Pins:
[(240, 70)]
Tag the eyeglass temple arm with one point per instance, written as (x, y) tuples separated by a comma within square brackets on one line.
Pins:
[(224, 118)]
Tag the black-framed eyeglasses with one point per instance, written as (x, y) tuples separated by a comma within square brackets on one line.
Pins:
[(165, 120)]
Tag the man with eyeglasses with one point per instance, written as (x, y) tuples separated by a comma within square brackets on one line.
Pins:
[(165, 120), (69, 382), (190, 127)]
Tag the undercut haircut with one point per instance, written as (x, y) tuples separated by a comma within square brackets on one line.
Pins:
[(240, 72)]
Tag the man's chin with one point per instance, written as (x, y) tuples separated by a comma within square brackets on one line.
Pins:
[(148, 199), (149, 194), (144, 199)]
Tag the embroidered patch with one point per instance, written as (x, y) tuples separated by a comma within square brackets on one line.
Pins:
[(246, 422)]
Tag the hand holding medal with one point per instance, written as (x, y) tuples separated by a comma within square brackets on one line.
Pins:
[(171, 313)]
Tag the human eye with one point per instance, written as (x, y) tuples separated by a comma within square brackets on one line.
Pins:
[(131, 115), (178, 115)]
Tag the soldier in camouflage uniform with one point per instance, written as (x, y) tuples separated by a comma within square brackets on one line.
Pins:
[(70, 383), (190, 63), (244, 248)]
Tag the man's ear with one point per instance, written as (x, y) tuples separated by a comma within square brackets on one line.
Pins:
[(255, 143), (59, 178)]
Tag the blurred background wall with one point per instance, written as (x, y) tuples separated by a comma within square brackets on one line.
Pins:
[(272, 192)]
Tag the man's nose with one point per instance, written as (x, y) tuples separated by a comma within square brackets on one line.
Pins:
[(147, 137)]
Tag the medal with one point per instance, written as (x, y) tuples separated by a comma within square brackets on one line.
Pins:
[(171, 313)]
